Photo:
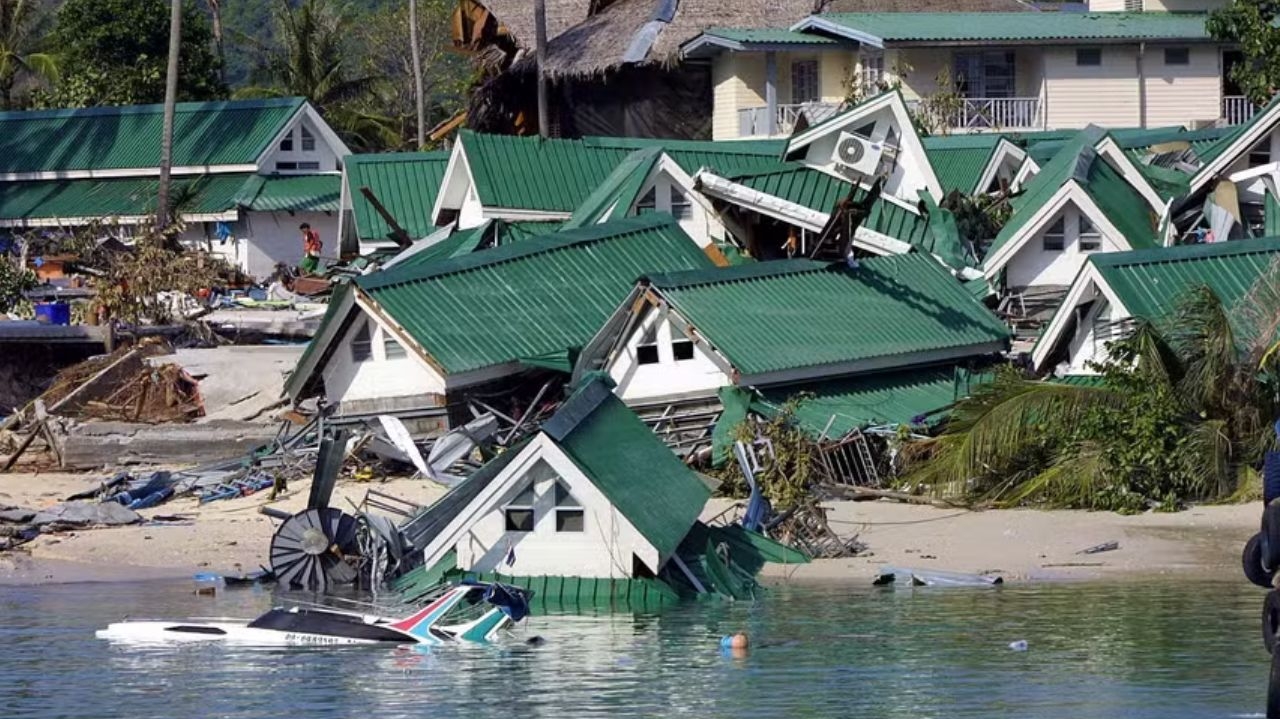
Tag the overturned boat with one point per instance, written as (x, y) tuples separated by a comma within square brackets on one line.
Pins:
[(451, 618)]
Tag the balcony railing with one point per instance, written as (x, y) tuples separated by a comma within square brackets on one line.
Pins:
[(983, 113), (754, 121), (1237, 109)]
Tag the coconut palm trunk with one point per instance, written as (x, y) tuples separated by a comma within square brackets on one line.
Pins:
[(170, 103)]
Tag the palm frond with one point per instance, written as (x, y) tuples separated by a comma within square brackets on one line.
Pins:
[(1209, 452), (1203, 337), (1073, 480)]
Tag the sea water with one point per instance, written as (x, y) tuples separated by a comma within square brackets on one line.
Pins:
[(1108, 650)]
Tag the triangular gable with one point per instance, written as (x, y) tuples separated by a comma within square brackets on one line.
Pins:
[(1087, 284), (1108, 148), (1005, 162), (308, 116), (883, 119), (1227, 151)]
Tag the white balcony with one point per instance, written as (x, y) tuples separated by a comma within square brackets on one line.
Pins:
[(977, 114), (754, 121), (1237, 109)]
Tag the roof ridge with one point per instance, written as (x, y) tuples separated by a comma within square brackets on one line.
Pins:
[(765, 269), (374, 157), (533, 246), (182, 107)]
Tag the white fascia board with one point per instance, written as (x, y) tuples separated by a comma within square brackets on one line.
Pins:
[(706, 45), (126, 172), (1108, 148), (1254, 172), (821, 24), (1261, 126), (514, 215), (457, 164), (761, 202), (1026, 171), (994, 263), (879, 243), (1004, 149), (389, 325), (1086, 278), (228, 216)]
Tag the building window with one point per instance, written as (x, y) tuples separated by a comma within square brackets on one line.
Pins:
[(872, 74), (308, 140), (1177, 56), (1088, 56), (569, 514), (1133, 5), (682, 349), (1090, 238), (681, 205), (1055, 238), (986, 74), (647, 349), (804, 82), (1261, 153), (649, 202), (518, 514), (391, 349), (361, 344), (286, 143), (295, 166)]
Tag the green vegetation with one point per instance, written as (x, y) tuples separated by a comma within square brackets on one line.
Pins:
[(350, 58), (1183, 410), (1250, 24)]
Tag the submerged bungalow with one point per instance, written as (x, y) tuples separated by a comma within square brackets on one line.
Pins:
[(591, 512), (246, 174)]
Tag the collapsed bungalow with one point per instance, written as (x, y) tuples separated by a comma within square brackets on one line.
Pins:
[(592, 512), (415, 340), (246, 174), (1112, 290), (826, 331), (403, 186)]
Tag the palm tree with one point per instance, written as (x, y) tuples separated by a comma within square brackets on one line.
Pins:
[(311, 59), (170, 105), (1185, 404), (21, 23)]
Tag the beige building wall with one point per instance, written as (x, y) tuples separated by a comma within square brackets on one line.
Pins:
[(738, 82), (1182, 5), (1105, 94), (1106, 5), (836, 74), (1181, 94), (917, 69)]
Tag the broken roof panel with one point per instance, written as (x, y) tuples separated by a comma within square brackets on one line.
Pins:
[(406, 183), (532, 297), (797, 314)]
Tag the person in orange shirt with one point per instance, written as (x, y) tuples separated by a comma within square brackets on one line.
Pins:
[(311, 246)]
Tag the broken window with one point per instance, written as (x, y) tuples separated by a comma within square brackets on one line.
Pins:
[(681, 205), (308, 140), (682, 349), (569, 514), (1055, 238), (647, 349), (362, 344), (518, 514), (1090, 238)]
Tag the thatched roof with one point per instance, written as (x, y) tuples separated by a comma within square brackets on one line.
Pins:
[(517, 16), (599, 43)]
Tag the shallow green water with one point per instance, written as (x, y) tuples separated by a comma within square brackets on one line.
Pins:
[(1164, 649)]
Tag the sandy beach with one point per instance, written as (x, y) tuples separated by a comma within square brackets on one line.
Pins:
[(232, 536)]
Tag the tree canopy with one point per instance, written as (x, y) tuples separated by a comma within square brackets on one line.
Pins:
[(1250, 24), (114, 52)]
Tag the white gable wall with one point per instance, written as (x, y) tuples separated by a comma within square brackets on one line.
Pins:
[(1034, 266), (909, 174), (323, 155), (700, 221), (667, 378), (1094, 329), (377, 377)]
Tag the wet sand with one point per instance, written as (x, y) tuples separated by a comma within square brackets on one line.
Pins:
[(231, 536)]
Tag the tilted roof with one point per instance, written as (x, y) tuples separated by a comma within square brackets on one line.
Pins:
[(618, 192), (234, 132), (641, 477), (493, 233), (794, 314), (534, 297), (1079, 162), (406, 183), (1151, 282), (959, 160), (920, 27)]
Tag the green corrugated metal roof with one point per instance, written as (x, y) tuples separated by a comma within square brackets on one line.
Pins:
[(959, 167), (618, 192), (93, 199), (1117, 199), (641, 477), (406, 183), (529, 298), (772, 36), (721, 156), (1080, 380), (531, 173), (108, 138), (1149, 283), (903, 27), (838, 407), (788, 314), (493, 233), (292, 193)]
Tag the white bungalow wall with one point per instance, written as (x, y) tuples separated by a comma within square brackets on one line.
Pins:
[(323, 156), (1034, 266), (909, 174), (700, 221), (668, 378), (1094, 330), (260, 240), (603, 549), (379, 377)]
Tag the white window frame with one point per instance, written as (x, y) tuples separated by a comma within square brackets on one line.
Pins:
[(568, 508), (1088, 235), (807, 79), (1057, 230), (308, 142), (362, 343), (517, 506)]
